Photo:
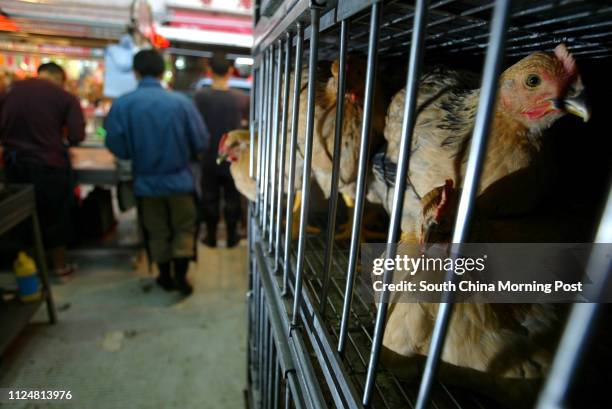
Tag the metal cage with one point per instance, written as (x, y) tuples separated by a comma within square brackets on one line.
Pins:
[(313, 341)]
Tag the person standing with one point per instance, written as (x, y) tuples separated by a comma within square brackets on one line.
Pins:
[(38, 120), (160, 132), (223, 110)]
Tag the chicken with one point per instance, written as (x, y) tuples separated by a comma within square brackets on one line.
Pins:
[(538, 226), (533, 94), (325, 123), (500, 349), (234, 147)]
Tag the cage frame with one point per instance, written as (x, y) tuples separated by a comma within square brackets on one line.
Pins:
[(288, 337)]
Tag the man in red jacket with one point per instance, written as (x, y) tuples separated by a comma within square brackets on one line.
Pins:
[(38, 120)]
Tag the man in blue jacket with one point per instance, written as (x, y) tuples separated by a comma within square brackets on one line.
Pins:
[(160, 132)]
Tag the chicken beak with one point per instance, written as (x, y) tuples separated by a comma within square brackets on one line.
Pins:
[(576, 105), (221, 157)]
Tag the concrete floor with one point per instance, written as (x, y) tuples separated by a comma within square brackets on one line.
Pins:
[(123, 343)]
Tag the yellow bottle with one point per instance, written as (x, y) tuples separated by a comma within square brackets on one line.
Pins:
[(27, 278)]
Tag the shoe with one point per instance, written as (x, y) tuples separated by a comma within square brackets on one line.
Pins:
[(232, 235), (164, 279), (209, 241), (167, 283), (232, 239), (185, 288), (181, 265), (232, 242)]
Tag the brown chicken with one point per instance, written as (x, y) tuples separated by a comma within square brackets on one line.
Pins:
[(325, 123), (533, 94), (503, 350), (234, 147)]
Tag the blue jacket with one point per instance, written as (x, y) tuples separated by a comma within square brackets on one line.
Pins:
[(160, 132)]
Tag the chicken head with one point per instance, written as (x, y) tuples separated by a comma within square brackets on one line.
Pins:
[(541, 88), (355, 77), (232, 145), (438, 214)]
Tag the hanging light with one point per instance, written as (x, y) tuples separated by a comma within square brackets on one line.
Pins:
[(180, 63)]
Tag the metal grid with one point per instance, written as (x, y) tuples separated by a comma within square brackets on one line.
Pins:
[(272, 376), (463, 27), (314, 292), (390, 391)]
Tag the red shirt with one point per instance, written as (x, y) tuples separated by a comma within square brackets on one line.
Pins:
[(37, 120)]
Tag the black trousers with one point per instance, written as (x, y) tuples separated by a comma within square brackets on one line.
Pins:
[(53, 189), (217, 181)]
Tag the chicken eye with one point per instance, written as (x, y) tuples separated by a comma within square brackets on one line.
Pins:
[(533, 80)]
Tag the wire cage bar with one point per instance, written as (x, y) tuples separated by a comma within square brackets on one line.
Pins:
[(362, 168), (260, 132), (484, 115), (315, 339), (276, 129), (312, 76), (335, 174), (297, 81), (283, 157), (265, 136), (275, 378), (271, 115), (580, 323), (409, 120), (253, 119)]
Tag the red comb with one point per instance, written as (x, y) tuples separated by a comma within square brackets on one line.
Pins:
[(444, 200), (569, 64), (221, 147)]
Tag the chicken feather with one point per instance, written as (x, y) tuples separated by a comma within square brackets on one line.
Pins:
[(325, 123), (234, 147), (503, 350), (533, 94)]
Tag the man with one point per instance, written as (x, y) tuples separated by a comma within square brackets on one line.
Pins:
[(38, 119), (223, 110), (160, 132)]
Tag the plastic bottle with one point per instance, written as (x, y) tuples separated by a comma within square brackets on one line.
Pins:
[(27, 278)]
